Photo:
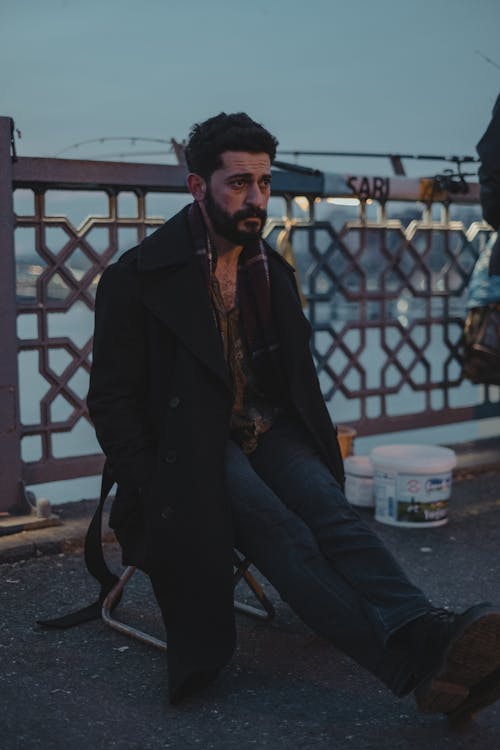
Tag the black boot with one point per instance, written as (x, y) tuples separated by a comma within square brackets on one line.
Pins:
[(457, 659)]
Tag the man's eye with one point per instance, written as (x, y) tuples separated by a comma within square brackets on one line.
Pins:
[(238, 183)]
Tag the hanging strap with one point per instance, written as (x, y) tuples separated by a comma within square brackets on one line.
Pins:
[(95, 563)]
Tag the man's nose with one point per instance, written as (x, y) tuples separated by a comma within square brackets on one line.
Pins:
[(254, 196)]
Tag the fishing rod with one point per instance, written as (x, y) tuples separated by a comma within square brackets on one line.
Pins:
[(396, 159), (132, 139)]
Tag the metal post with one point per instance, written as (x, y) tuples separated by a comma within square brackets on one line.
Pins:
[(11, 488)]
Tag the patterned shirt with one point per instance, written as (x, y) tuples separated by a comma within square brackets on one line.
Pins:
[(253, 414)]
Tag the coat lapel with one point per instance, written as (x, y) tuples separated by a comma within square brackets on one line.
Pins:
[(173, 288)]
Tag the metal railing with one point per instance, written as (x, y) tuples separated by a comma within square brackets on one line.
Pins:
[(383, 264)]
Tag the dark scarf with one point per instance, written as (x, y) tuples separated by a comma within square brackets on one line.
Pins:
[(254, 301)]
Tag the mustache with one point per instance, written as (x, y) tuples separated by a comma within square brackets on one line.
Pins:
[(250, 213)]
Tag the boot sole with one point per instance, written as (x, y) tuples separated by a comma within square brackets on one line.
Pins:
[(481, 696), (472, 655)]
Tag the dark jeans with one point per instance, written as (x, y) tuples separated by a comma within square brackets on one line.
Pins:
[(293, 521)]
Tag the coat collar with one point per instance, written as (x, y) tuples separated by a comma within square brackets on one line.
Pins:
[(170, 245)]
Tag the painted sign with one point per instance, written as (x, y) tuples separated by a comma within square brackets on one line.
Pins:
[(376, 188)]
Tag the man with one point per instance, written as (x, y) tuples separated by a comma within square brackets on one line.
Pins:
[(488, 150), (481, 339), (207, 405)]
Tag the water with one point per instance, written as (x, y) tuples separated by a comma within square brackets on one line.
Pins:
[(77, 324)]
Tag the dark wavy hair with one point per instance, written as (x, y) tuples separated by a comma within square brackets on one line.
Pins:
[(235, 132)]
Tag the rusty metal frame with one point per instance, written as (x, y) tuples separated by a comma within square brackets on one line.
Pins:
[(334, 271), (241, 564), (10, 447)]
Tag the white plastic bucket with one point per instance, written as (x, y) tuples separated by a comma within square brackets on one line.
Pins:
[(359, 481), (412, 484)]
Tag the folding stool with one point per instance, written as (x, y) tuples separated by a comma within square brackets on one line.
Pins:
[(241, 564)]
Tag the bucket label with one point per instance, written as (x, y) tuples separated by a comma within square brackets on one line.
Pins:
[(424, 489), (418, 512), (411, 499)]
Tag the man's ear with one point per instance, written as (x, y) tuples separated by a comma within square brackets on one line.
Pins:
[(197, 186)]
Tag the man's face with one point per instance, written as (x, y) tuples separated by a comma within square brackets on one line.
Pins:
[(237, 195)]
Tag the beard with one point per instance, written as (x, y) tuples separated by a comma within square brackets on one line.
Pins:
[(226, 224)]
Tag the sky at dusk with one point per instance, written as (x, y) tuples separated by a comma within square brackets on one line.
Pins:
[(384, 76), (391, 75)]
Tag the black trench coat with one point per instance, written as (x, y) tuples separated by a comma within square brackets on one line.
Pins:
[(160, 399)]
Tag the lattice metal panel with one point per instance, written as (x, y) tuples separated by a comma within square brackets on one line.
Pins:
[(61, 252), (386, 299)]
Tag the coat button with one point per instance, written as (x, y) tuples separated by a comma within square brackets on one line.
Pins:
[(167, 512), (174, 402), (171, 457)]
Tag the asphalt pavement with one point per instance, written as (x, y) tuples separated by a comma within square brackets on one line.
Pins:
[(90, 687)]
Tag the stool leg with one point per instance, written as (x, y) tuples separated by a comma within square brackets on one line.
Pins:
[(267, 611), (121, 627)]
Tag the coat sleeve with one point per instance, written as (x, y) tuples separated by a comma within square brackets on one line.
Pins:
[(118, 378), (488, 150)]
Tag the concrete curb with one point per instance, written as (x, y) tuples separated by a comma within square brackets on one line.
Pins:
[(66, 537)]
